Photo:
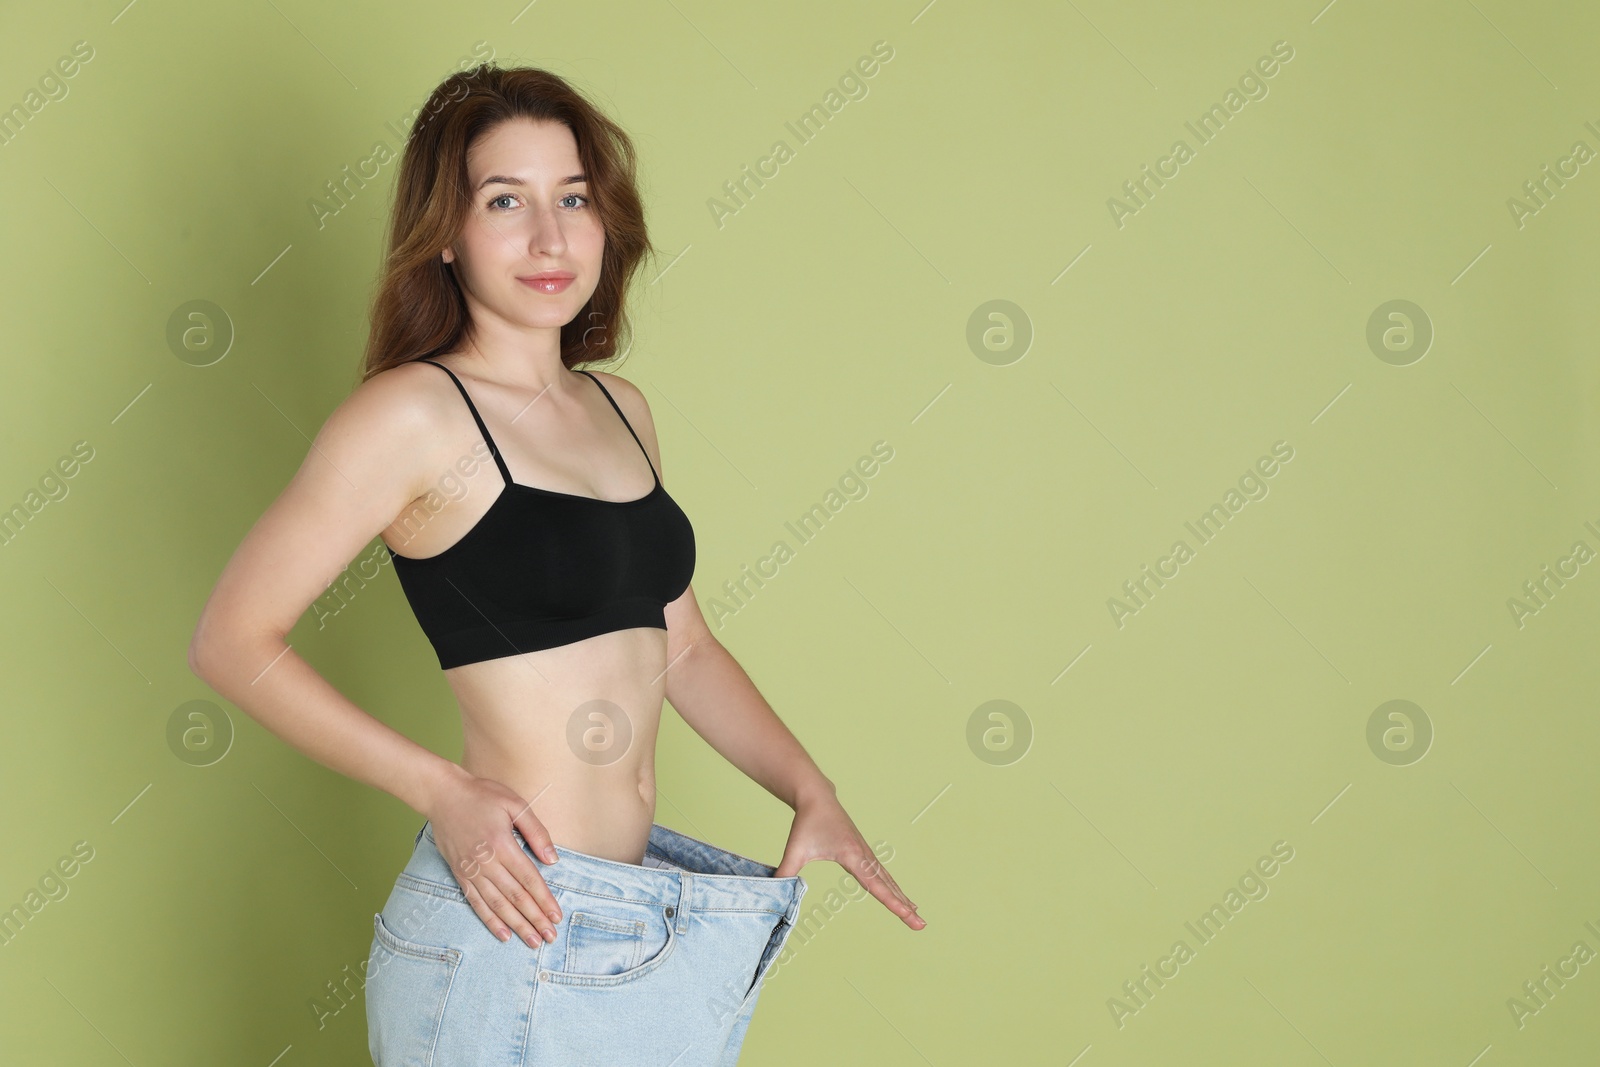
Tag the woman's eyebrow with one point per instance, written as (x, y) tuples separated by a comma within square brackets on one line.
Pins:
[(503, 179)]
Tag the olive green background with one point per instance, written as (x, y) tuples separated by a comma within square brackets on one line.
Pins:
[(1058, 843)]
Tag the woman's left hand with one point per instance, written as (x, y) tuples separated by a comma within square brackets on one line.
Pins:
[(823, 831)]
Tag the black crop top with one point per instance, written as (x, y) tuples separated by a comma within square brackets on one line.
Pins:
[(542, 569)]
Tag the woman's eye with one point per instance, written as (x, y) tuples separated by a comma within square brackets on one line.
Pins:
[(564, 200)]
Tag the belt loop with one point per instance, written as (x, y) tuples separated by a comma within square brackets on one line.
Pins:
[(685, 882)]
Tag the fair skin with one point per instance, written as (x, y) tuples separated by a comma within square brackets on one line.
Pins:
[(372, 471)]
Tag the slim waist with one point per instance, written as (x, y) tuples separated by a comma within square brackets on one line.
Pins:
[(698, 876)]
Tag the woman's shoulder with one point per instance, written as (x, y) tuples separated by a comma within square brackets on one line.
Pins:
[(625, 393), (399, 408), (404, 391)]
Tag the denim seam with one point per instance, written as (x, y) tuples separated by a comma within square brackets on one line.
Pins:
[(450, 957), (438, 889), (626, 927), (635, 900), (423, 885), (533, 1000), (438, 1019), (413, 949)]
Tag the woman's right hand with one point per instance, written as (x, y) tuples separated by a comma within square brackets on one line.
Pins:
[(472, 820)]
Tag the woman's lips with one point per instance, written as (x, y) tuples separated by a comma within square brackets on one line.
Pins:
[(548, 283)]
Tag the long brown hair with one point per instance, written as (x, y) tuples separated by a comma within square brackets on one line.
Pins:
[(419, 309)]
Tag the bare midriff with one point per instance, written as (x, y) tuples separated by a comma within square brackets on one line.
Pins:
[(573, 731)]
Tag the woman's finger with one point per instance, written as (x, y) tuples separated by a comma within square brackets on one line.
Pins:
[(521, 868), (896, 885), (534, 833), (526, 914), (508, 913), (875, 877), (484, 912)]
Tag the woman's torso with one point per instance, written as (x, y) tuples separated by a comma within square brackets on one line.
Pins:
[(573, 731), (569, 517)]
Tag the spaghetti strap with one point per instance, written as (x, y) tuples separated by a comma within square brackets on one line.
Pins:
[(493, 448), (626, 423)]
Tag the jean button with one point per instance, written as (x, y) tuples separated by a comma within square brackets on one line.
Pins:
[(671, 911)]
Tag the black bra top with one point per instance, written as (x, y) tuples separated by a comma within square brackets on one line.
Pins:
[(542, 569)]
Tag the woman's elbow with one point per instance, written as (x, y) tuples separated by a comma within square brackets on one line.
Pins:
[(202, 651), (214, 645)]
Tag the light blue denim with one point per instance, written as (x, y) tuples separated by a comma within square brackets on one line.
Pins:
[(660, 963)]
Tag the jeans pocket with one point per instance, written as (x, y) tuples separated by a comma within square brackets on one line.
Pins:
[(407, 987), (609, 942), (601, 945)]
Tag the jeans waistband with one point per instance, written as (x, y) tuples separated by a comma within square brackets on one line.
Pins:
[(703, 878)]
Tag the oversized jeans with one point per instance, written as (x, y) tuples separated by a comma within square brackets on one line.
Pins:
[(660, 963)]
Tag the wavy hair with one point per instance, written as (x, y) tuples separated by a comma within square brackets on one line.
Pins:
[(418, 309)]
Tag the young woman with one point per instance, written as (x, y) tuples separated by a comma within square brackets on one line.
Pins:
[(543, 916)]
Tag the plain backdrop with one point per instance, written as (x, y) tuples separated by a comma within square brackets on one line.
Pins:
[(963, 260)]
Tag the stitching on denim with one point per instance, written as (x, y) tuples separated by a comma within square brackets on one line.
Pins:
[(423, 885), (438, 1019), (635, 900), (630, 929), (633, 974), (608, 923), (413, 949), (533, 999)]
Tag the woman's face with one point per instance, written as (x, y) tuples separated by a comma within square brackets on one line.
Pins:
[(530, 214)]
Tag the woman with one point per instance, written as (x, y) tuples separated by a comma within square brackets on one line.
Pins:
[(543, 917)]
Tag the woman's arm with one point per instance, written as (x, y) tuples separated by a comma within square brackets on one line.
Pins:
[(364, 468), (378, 452), (716, 697)]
